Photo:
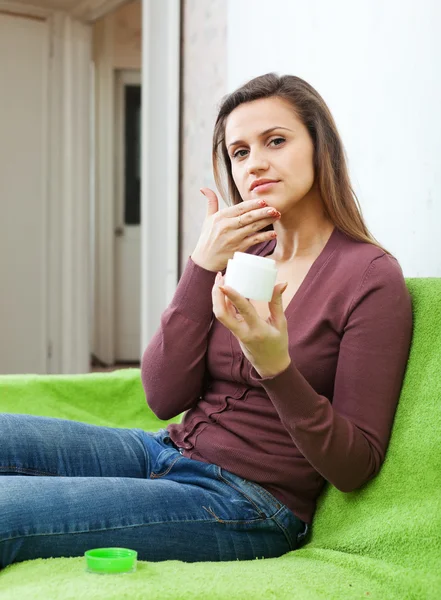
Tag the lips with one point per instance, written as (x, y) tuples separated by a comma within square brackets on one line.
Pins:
[(259, 182)]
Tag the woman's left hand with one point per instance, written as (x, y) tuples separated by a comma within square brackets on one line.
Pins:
[(264, 343)]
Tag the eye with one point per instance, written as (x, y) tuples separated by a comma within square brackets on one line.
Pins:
[(279, 139), (237, 153)]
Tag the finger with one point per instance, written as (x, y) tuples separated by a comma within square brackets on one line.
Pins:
[(232, 310), (244, 307), (222, 307), (245, 222), (244, 207), (276, 303), (213, 202), (256, 220)]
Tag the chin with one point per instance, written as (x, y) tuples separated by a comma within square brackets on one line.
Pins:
[(275, 202)]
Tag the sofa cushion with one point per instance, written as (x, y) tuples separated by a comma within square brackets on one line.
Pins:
[(381, 541)]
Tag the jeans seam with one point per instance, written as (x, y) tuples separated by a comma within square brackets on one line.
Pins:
[(154, 475), (30, 535), (228, 521), (27, 470), (292, 545), (265, 495)]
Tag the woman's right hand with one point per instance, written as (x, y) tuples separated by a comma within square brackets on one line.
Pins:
[(232, 229)]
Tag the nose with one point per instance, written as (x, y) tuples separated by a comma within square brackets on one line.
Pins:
[(257, 162)]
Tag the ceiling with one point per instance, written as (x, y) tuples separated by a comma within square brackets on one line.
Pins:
[(87, 10)]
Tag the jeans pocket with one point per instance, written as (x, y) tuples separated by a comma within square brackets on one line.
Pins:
[(165, 463), (225, 477)]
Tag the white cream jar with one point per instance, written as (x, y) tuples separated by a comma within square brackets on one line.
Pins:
[(254, 277)]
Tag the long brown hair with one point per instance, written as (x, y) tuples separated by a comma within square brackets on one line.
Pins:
[(340, 201)]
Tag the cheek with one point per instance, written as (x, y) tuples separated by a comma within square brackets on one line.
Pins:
[(238, 178), (309, 163), (300, 168)]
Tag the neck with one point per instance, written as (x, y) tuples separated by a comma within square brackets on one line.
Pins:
[(305, 241)]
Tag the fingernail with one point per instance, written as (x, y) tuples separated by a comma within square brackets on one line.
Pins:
[(202, 192)]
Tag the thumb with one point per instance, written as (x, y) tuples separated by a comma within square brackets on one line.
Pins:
[(213, 203), (276, 305)]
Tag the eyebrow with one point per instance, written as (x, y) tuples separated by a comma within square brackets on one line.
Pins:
[(260, 135)]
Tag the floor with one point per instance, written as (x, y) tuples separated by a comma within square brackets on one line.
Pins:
[(98, 367)]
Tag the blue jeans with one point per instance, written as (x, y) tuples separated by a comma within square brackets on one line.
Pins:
[(66, 487)]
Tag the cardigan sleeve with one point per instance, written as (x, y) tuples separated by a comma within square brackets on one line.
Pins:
[(345, 438), (173, 365)]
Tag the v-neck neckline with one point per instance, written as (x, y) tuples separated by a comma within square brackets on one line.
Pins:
[(314, 269)]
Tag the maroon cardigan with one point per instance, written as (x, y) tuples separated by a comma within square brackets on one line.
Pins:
[(328, 416)]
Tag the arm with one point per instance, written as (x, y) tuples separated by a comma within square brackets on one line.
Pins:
[(173, 364), (346, 441)]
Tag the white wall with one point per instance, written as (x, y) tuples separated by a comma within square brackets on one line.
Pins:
[(375, 63), (203, 85), (160, 161)]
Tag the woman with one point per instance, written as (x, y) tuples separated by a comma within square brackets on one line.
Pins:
[(281, 397)]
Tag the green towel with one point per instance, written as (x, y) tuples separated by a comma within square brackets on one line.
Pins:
[(382, 541), (114, 399)]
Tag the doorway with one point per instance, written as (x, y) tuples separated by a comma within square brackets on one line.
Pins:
[(127, 216)]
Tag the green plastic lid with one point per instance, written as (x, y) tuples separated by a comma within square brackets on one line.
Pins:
[(111, 560)]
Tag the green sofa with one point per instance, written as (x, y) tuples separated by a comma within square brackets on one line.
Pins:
[(382, 541)]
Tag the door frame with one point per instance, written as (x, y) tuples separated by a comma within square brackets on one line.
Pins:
[(69, 195)]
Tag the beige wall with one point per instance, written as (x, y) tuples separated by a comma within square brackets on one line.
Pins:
[(125, 24), (127, 29), (203, 86)]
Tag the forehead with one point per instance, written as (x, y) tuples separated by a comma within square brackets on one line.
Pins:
[(251, 118)]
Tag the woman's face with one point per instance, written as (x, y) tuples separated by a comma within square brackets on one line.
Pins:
[(265, 140)]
